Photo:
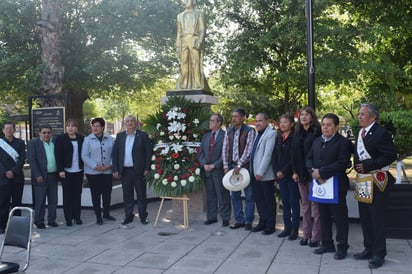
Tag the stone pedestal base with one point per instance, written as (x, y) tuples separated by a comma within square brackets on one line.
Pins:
[(198, 96)]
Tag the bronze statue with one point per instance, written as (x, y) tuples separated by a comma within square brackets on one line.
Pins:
[(190, 42)]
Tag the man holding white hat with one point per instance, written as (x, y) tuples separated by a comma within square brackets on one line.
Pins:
[(237, 147)]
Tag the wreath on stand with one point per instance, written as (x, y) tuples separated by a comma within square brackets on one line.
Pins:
[(175, 131)]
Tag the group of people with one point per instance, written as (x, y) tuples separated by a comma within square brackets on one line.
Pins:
[(67, 158), (299, 158)]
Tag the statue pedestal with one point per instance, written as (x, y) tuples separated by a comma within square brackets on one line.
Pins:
[(196, 95)]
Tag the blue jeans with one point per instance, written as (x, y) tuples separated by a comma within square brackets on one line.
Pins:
[(249, 215), (289, 192)]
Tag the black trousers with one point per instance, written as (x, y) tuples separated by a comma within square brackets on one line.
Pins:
[(337, 213), (372, 218), (72, 195), (100, 187), (131, 182), (264, 196), (12, 190)]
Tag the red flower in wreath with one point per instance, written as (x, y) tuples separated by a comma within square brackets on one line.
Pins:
[(175, 155)]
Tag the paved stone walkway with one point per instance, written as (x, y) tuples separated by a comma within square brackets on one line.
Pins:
[(168, 248)]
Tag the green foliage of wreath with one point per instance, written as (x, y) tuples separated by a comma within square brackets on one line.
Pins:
[(175, 131)]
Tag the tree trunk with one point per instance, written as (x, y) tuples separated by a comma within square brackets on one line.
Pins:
[(74, 108), (50, 27)]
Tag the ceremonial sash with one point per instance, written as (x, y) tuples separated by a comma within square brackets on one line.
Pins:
[(364, 182), (9, 150)]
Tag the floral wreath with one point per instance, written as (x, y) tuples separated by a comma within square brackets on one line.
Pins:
[(175, 131)]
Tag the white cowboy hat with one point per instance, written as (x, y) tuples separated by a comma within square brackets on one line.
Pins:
[(236, 182)]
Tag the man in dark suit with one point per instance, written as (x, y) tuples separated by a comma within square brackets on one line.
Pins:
[(43, 177), (374, 152), (132, 154), (210, 158), (328, 157), (12, 157)]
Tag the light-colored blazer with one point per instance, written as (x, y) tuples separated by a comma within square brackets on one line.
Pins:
[(263, 155), (96, 153)]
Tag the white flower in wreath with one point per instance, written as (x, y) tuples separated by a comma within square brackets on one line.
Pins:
[(158, 126), (165, 151), (196, 121), (191, 150), (180, 115), (197, 171), (171, 137), (176, 166), (157, 176), (164, 182), (183, 182), (184, 137), (177, 136), (153, 167), (153, 158), (191, 179), (175, 178), (173, 184), (195, 135), (162, 133), (171, 114), (177, 148), (176, 127)]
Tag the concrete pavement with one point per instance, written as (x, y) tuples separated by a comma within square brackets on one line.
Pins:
[(168, 248)]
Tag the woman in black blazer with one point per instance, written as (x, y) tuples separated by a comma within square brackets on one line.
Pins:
[(68, 149), (289, 191)]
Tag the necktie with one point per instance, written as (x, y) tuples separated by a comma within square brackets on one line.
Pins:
[(363, 133), (211, 143)]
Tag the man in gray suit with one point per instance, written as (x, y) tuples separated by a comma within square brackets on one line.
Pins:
[(43, 177), (132, 152), (262, 175), (210, 158)]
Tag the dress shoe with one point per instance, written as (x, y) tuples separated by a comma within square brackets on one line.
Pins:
[(324, 249), (314, 243), (258, 228), (53, 224), (376, 262), (304, 242), (144, 221), (109, 218), (268, 231), (41, 226), (69, 223), (237, 225), (248, 227), (364, 255), (99, 221), (225, 223), (284, 233), (340, 254), (78, 222), (293, 235), (127, 220), (210, 221), (2, 230)]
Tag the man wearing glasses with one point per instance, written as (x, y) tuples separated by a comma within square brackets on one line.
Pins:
[(210, 158), (43, 177)]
